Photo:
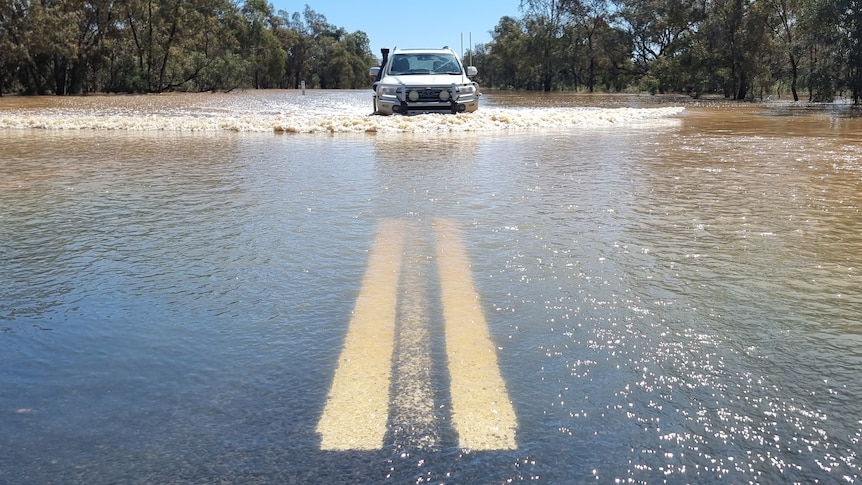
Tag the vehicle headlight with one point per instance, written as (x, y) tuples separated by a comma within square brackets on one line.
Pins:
[(383, 90), (466, 90)]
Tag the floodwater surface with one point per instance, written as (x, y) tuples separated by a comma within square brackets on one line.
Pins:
[(270, 287)]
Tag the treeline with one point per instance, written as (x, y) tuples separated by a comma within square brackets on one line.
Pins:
[(738, 48), (153, 46)]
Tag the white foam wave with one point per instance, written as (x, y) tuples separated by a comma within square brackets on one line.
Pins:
[(333, 119)]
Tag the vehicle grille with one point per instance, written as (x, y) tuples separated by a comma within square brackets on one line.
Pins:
[(426, 94)]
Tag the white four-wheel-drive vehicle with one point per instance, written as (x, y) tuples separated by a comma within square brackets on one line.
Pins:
[(414, 81)]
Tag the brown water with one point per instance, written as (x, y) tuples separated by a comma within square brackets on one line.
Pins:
[(669, 290)]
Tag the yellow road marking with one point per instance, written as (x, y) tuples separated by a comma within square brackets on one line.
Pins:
[(481, 411), (357, 409)]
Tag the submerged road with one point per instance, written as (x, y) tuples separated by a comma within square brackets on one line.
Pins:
[(392, 312)]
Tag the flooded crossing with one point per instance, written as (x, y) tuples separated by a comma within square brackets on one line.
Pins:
[(252, 287)]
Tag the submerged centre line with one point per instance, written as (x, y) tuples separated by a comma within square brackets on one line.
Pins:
[(357, 408), (481, 410)]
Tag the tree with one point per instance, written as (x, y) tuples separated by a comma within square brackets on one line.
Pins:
[(8, 46), (784, 25), (507, 62), (27, 49), (735, 47), (323, 55), (823, 48), (591, 17), (615, 69), (357, 47), (659, 28), (738, 29), (546, 22), (259, 44), (850, 22)]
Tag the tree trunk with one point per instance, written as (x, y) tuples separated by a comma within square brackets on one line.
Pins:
[(59, 75), (743, 86), (547, 79), (794, 76), (76, 77), (592, 80)]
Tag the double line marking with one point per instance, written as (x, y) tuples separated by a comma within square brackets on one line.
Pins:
[(357, 409)]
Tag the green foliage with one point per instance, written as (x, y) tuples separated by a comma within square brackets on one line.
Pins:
[(151, 46), (822, 86), (851, 23), (741, 49)]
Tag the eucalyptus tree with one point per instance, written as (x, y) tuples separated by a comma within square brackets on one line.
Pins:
[(614, 66), (851, 26), (479, 57), (738, 43), (308, 46), (785, 20), (341, 59), (297, 45), (507, 63), (322, 54), (9, 57), (546, 22), (259, 44), (58, 45), (660, 29), (26, 41), (149, 35), (835, 53), (168, 44), (324, 36), (358, 57), (586, 50), (825, 42), (591, 19), (97, 24)]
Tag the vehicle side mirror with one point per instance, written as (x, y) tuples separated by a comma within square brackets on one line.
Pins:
[(373, 71), (472, 71)]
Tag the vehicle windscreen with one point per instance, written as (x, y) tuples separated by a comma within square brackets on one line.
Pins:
[(405, 64)]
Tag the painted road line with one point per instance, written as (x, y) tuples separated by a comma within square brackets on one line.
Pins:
[(481, 411), (357, 408), (415, 422)]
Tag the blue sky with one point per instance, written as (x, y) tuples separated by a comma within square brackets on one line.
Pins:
[(391, 24)]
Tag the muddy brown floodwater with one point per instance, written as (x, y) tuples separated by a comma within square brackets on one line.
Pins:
[(266, 287)]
